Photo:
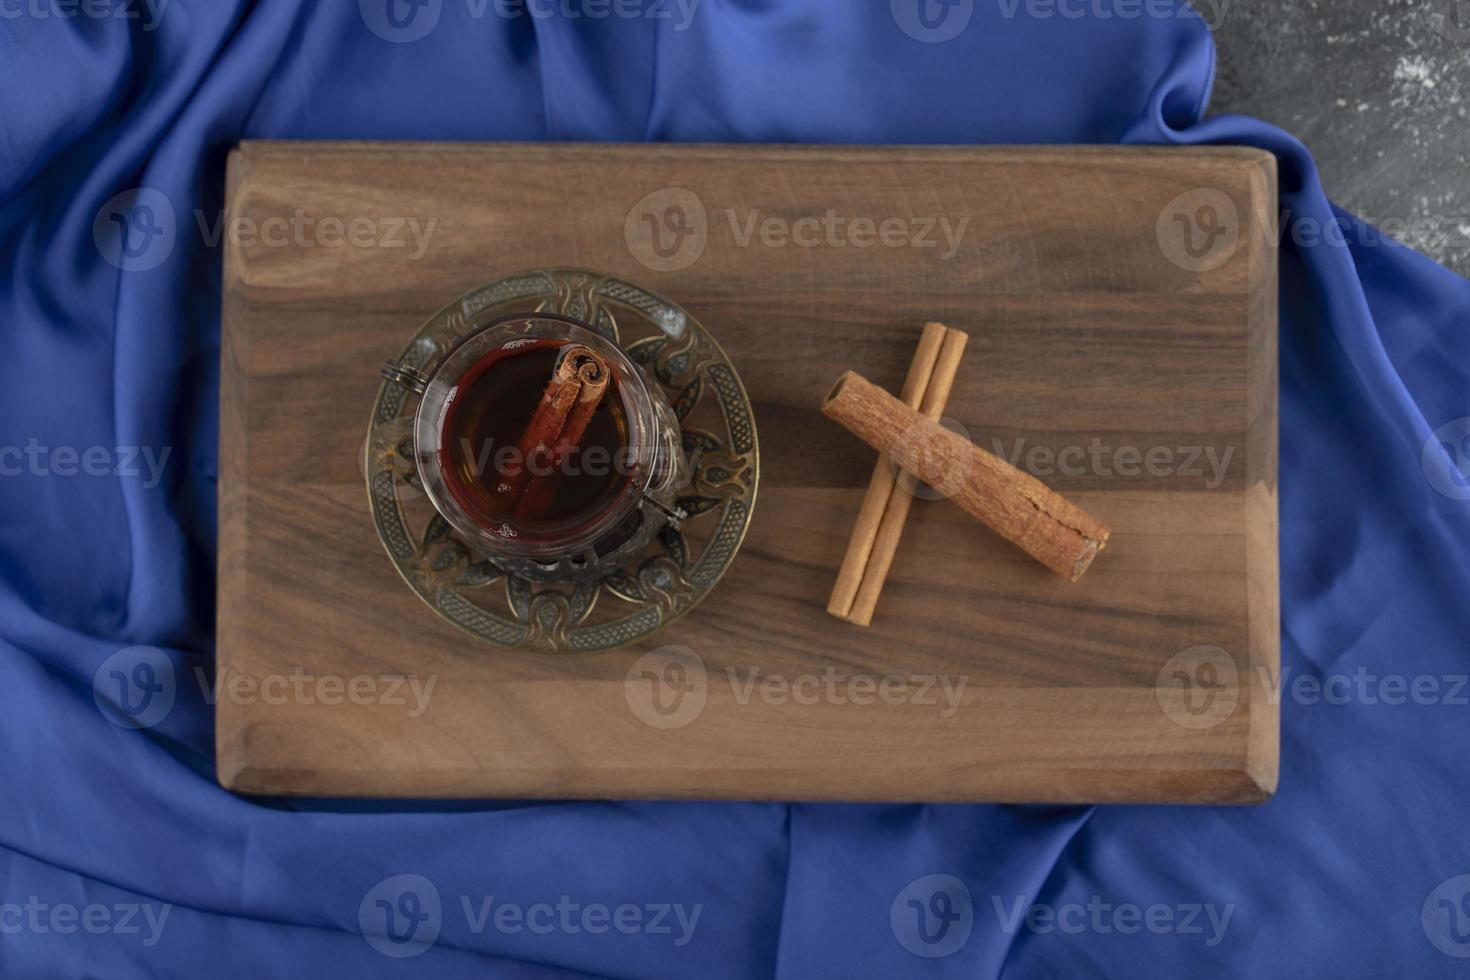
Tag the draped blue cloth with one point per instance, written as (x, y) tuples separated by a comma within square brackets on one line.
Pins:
[(1352, 870)]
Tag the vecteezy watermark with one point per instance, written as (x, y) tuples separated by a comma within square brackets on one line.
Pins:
[(147, 13), (1212, 12), (1099, 916), (38, 918), (1206, 463), (299, 687), (402, 21), (1426, 232), (137, 230), (1199, 688), (1199, 230), (669, 688), (568, 917), (130, 462), (921, 450), (136, 687), (403, 915), (669, 229), (389, 451), (835, 687), (678, 14), (932, 916), (1446, 459), (1445, 917), (932, 21), (594, 460), (303, 230), (834, 230), (1451, 19), (1368, 687)]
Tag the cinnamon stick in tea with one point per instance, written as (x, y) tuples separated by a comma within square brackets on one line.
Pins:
[(591, 374), (1016, 505), (557, 425)]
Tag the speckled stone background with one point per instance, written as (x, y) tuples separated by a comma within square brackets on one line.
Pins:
[(1378, 90)]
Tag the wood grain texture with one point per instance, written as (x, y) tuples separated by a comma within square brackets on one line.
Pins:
[(1136, 381)]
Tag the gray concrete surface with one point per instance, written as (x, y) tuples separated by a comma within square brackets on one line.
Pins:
[(1378, 90)]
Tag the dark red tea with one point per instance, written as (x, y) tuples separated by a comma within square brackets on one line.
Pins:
[(485, 420)]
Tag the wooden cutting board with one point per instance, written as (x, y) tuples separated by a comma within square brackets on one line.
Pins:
[(1122, 311)]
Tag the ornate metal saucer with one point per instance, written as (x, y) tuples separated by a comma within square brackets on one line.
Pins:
[(655, 587)]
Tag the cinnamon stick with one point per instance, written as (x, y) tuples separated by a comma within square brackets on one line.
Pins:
[(560, 419), (591, 377), (1014, 504), (890, 529), (880, 486)]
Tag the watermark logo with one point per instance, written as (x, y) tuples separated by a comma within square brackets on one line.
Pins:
[(135, 687), (670, 228), (1097, 915), (1451, 19), (932, 21), (401, 916), (40, 918), (933, 916), (128, 462), (922, 451), (1205, 464), (1366, 687), (400, 21), (1212, 12), (1446, 917), (408, 691), (1198, 688), (667, 230), (570, 917), (135, 230), (1448, 231), (147, 13), (667, 688), (834, 230), (943, 692), (678, 13), (1199, 230), (1446, 459), (302, 230)]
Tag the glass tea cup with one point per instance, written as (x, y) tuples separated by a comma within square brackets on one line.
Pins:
[(570, 515)]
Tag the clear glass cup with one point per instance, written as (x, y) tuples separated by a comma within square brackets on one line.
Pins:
[(457, 463)]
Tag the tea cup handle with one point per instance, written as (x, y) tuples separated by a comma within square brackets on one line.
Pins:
[(405, 377)]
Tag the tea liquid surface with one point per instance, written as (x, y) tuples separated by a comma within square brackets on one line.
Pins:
[(487, 415)]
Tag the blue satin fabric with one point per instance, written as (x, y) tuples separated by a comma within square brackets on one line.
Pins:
[(1329, 879)]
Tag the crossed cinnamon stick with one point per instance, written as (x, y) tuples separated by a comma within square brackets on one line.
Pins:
[(907, 433)]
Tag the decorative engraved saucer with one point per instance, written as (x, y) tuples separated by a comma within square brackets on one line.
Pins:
[(673, 573)]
